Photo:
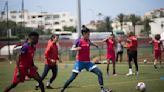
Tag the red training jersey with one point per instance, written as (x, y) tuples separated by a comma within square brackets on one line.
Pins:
[(26, 55), (84, 53), (132, 45), (51, 52), (157, 45)]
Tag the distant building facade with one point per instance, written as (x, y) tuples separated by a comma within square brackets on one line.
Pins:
[(53, 21)]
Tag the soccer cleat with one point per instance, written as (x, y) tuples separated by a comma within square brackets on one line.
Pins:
[(129, 74), (36, 87), (62, 90), (107, 74), (115, 74), (155, 66), (49, 87), (106, 90)]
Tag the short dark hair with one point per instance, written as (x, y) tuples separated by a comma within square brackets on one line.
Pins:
[(33, 34), (53, 35), (157, 37), (84, 29)]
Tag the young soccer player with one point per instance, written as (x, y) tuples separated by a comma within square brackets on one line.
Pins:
[(110, 56), (25, 65), (82, 46), (51, 57), (119, 49), (132, 45), (157, 44)]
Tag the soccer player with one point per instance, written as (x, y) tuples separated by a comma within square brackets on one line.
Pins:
[(82, 46), (51, 57), (25, 65), (110, 56), (132, 45), (157, 44), (119, 49)]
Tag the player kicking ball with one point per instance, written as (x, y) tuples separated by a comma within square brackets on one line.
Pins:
[(110, 56), (51, 58), (82, 46), (157, 44), (25, 65)]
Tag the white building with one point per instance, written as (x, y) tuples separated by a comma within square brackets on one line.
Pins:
[(127, 27), (54, 21), (157, 26)]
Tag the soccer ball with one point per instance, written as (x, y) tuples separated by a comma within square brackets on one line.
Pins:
[(145, 61), (141, 87)]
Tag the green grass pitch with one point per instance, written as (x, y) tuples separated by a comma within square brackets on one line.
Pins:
[(87, 82)]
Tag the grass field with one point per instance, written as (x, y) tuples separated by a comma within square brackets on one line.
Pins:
[(87, 82)]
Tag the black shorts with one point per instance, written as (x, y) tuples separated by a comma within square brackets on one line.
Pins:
[(132, 55), (120, 53)]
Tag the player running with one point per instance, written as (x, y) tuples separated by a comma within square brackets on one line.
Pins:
[(82, 46), (25, 65), (51, 58)]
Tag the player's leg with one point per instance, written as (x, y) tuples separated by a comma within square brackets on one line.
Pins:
[(44, 74), (98, 72), (13, 85), (129, 63), (117, 56), (39, 80), (107, 68), (156, 55), (78, 66), (114, 68), (54, 74), (69, 81), (121, 56), (19, 76), (136, 62)]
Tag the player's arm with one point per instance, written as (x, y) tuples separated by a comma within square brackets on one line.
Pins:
[(150, 42), (104, 40), (76, 46), (47, 52), (59, 59), (93, 44)]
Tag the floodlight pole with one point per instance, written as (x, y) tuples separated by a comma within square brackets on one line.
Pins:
[(79, 17), (8, 36)]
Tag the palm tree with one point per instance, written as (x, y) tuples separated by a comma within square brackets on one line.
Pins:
[(108, 24), (134, 19), (120, 18), (147, 27)]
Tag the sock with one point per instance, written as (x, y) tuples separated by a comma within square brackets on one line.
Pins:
[(130, 71), (48, 83), (101, 86)]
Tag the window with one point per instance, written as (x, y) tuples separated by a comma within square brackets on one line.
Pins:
[(56, 23), (55, 16), (48, 17), (63, 21), (33, 17), (21, 16), (40, 16), (58, 30), (71, 20), (13, 17)]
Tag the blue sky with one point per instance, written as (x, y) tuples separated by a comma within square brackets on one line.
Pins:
[(90, 8)]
